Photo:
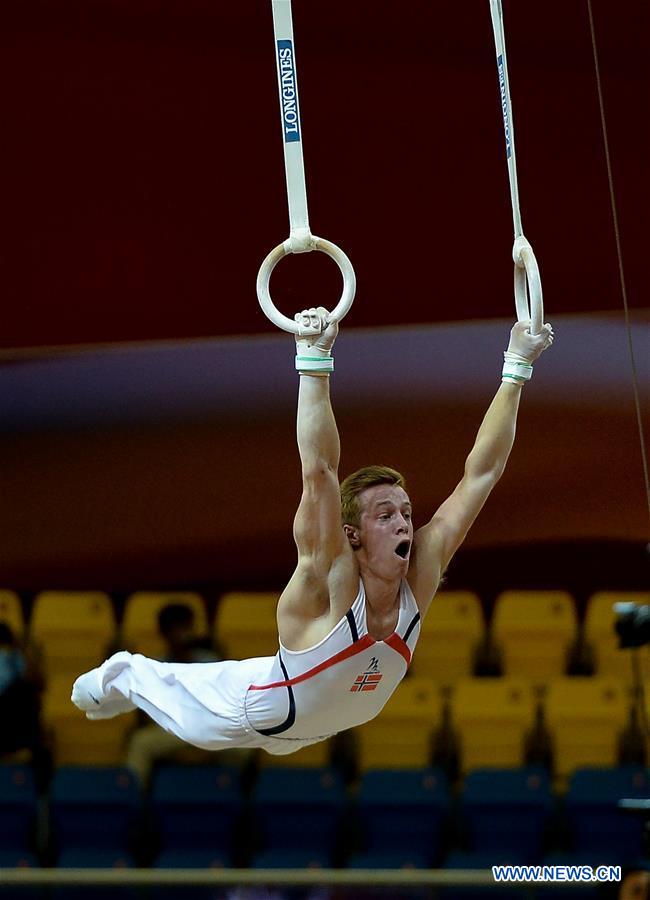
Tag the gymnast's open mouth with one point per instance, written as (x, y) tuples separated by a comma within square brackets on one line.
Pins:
[(403, 548)]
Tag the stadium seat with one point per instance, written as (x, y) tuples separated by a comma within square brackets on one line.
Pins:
[(139, 632), (192, 858), (291, 859), (585, 717), (451, 634), (11, 612), (196, 807), (246, 625), (401, 736), (76, 740), (602, 639), (93, 809), (94, 858), (599, 827), (403, 811), (17, 859), (73, 629), (389, 859), (492, 718), (304, 802), (17, 808), (534, 632), (507, 810), (477, 859)]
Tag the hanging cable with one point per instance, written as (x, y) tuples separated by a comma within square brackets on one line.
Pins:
[(619, 253)]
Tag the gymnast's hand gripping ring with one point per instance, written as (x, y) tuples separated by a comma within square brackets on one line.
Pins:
[(274, 257)]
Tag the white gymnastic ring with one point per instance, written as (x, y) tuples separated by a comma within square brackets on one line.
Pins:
[(274, 257), (529, 302)]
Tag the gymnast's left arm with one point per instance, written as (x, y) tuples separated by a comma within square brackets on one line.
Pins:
[(438, 540)]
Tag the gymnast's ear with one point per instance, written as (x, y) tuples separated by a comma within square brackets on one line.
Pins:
[(352, 535)]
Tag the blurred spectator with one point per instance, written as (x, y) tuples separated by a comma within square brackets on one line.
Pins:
[(178, 629), (149, 743), (21, 682)]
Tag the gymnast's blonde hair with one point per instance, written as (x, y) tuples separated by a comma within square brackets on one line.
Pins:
[(359, 481)]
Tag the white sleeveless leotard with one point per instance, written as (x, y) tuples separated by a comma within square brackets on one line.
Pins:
[(280, 703), (343, 681)]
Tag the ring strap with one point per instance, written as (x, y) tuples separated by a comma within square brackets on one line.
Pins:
[(526, 269), (300, 239), (496, 12)]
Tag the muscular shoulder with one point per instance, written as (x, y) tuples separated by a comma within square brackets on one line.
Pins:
[(311, 605), (425, 568)]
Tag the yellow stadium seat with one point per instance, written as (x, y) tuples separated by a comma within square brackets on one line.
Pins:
[(534, 632), (76, 740), (246, 625), (140, 624), (401, 736), (315, 756), (585, 717), (602, 639), (73, 629), (492, 718), (11, 612), (451, 633)]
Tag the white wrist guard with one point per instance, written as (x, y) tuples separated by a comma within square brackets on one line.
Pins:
[(314, 361), (516, 369)]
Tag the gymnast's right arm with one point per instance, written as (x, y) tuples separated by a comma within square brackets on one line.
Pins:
[(317, 526), (317, 529)]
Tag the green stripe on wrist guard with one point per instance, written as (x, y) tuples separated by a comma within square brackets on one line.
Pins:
[(314, 364), (520, 371)]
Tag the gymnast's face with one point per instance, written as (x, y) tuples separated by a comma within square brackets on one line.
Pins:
[(385, 535)]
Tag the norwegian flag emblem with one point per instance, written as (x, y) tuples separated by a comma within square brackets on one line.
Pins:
[(369, 679)]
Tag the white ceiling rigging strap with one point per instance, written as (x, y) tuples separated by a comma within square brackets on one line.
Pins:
[(527, 278), (300, 238)]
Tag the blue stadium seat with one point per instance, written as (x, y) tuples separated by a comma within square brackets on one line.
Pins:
[(17, 807), (17, 859), (93, 807), (291, 859), (380, 859), (192, 858), (481, 859), (403, 810), (597, 824), (298, 804), (196, 807), (94, 858), (507, 810)]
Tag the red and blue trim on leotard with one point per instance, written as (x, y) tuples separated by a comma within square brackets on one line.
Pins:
[(358, 645)]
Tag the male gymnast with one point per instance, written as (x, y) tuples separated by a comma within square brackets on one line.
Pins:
[(349, 618)]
